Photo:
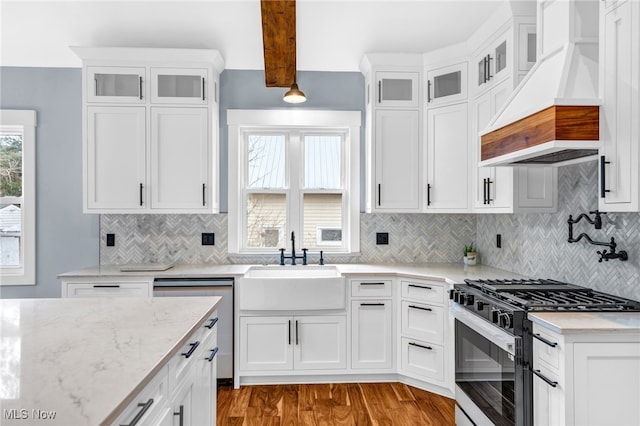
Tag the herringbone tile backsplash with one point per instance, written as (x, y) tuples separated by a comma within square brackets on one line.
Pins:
[(532, 244), (536, 245)]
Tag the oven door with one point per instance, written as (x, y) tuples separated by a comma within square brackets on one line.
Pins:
[(489, 373)]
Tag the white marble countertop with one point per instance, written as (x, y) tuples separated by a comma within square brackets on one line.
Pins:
[(452, 272), (86, 359), (588, 322)]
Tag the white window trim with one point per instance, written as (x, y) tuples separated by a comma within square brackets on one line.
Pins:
[(240, 121), (26, 273)]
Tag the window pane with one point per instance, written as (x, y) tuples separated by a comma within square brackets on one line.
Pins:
[(266, 220), (10, 165), (322, 220), (10, 234), (266, 161), (322, 161)]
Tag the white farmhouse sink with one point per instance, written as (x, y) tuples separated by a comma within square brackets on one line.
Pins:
[(290, 288)]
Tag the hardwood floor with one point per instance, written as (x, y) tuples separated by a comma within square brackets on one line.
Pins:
[(332, 404)]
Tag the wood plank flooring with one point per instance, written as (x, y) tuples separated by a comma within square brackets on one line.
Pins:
[(332, 404)]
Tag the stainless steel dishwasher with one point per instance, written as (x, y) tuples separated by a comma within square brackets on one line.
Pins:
[(198, 287)]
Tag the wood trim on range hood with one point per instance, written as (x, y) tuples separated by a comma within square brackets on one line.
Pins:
[(557, 135)]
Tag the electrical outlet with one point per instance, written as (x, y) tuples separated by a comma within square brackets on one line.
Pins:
[(208, 239), (499, 240), (111, 240), (382, 238)]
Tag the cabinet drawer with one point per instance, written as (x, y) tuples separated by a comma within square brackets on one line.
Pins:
[(547, 351), (152, 401), (423, 359), (371, 287), (423, 291), (424, 322), (109, 289), (195, 348)]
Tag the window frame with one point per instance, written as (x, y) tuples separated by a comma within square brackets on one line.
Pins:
[(25, 274), (300, 122)]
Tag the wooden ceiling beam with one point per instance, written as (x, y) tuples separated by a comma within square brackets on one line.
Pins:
[(279, 41)]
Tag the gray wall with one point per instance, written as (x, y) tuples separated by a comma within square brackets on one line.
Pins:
[(66, 238)]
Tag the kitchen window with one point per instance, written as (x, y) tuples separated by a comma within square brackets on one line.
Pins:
[(295, 171), (17, 197)]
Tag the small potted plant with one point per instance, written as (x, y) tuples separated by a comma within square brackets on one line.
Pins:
[(470, 255)]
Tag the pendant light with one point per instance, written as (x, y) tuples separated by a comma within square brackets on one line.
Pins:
[(294, 95)]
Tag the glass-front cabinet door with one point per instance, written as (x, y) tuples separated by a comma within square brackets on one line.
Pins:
[(180, 86), (116, 84), (447, 84), (397, 89)]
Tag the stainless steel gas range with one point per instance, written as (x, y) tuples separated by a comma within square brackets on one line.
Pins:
[(493, 374)]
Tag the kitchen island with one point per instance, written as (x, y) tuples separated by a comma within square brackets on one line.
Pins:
[(87, 361)]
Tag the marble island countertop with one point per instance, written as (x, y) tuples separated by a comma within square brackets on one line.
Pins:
[(452, 272), (81, 361)]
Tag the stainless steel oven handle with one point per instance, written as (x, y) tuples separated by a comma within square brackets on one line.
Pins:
[(496, 335)]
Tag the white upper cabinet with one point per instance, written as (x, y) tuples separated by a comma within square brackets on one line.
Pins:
[(447, 158), (115, 164), (179, 86), (397, 161), (180, 160), (619, 185), (397, 89), (116, 84), (150, 132), (447, 84), (494, 63)]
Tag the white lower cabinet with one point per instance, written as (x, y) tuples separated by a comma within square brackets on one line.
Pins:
[(183, 392), (293, 343), (371, 334), (426, 334), (586, 378), (107, 287)]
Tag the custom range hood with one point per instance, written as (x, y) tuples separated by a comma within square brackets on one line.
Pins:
[(552, 118)]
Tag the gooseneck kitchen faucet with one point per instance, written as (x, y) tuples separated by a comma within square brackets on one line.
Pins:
[(293, 256)]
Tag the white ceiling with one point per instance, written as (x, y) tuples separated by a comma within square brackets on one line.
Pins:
[(332, 35)]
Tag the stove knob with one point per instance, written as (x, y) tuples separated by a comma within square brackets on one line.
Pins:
[(469, 300), (495, 316), (451, 294), (506, 320), (458, 296), (480, 305)]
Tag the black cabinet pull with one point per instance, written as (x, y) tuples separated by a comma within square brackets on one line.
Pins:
[(420, 346), (428, 194), (489, 199), (297, 341), (140, 89), (425, 287), (212, 322), (213, 353), (372, 283), (379, 193), (550, 382), (545, 341), (181, 414), (203, 88), (141, 186), (428, 91), (191, 350), (380, 91), (106, 286), (489, 59), (203, 192), (372, 304), (145, 407), (603, 185), (484, 70), (420, 307), (484, 191), (289, 331)]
